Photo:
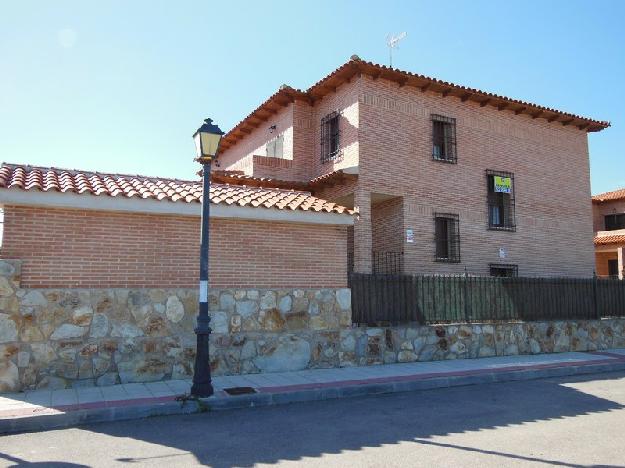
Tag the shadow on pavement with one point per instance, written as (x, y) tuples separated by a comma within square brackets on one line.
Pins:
[(19, 463), (291, 432)]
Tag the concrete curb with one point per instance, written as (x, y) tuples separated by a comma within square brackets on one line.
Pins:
[(336, 392), (95, 415), (266, 397)]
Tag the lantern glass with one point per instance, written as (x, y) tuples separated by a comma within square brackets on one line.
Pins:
[(198, 144), (207, 139)]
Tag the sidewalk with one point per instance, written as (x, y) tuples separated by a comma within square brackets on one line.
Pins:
[(46, 409)]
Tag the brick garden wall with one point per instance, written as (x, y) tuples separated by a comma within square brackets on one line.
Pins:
[(93, 249)]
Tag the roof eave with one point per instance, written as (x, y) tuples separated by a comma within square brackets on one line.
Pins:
[(356, 67)]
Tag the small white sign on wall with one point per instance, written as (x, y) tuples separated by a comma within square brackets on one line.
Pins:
[(409, 236), (502, 252)]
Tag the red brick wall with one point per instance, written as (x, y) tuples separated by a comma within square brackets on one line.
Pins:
[(387, 219), (601, 262), (386, 130), (599, 210), (290, 121), (301, 125), (549, 161), (96, 249)]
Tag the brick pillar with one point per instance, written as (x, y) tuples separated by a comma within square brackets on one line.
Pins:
[(362, 232), (621, 262)]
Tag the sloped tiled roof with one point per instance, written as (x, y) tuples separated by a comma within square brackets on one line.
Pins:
[(286, 94), (49, 179), (610, 237), (609, 196)]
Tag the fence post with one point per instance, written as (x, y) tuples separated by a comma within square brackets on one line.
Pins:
[(594, 294), (467, 318)]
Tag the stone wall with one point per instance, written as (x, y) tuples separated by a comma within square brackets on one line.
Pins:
[(369, 346), (83, 337)]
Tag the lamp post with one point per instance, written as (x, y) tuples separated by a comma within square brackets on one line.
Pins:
[(206, 139)]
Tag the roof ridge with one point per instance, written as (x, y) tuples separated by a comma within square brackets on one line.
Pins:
[(88, 172), (18, 177), (609, 192), (612, 195)]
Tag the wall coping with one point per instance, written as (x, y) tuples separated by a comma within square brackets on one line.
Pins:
[(165, 207)]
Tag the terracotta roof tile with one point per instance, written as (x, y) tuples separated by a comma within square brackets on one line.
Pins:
[(618, 194), (14, 176), (355, 65), (610, 237)]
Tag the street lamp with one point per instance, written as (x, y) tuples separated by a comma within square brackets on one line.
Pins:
[(206, 139)]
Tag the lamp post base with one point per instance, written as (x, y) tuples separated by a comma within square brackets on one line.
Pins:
[(202, 390), (202, 386)]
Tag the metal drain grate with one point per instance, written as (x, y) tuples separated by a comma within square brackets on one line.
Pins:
[(239, 390)]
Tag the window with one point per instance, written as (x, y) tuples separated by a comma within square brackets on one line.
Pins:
[(503, 271), (613, 268), (447, 237), (444, 138), (500, 201), (274, 147), (614, 222), (330, 137)]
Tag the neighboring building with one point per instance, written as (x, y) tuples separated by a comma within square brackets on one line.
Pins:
[(609, 226), (446, 179), (79, 229)]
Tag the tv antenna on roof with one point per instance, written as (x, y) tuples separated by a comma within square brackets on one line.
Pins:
[(393, 42)]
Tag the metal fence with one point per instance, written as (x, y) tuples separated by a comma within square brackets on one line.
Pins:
[(387, 263), (444, 299)]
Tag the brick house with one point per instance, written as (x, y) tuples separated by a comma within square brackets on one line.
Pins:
[(609, 225), (446, 179), (78, 229)]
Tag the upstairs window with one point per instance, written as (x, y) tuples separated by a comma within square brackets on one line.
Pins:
[(503, 271), (330, 138), (500, 201), (275, 147), (447, 237), (444, 139), (614, 222)]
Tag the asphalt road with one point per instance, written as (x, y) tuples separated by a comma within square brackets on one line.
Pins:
[(570, 422)]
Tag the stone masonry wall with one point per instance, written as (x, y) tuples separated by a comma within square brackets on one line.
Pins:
[(60, 338), (84, 337)]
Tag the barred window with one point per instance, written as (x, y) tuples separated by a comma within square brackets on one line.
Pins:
[(330, 138), (500, 200), (444, 139), (614, 222), (447, 237), (275, 147), (503, 271)]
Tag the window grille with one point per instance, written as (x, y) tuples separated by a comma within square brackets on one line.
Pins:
[(500, 205), (503, 271), (444, 139), (388, 263), (447, 237), (614, 222), (275, 147), (330, 138)]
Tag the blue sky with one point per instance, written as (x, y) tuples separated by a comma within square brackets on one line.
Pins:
[(121, 86)]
